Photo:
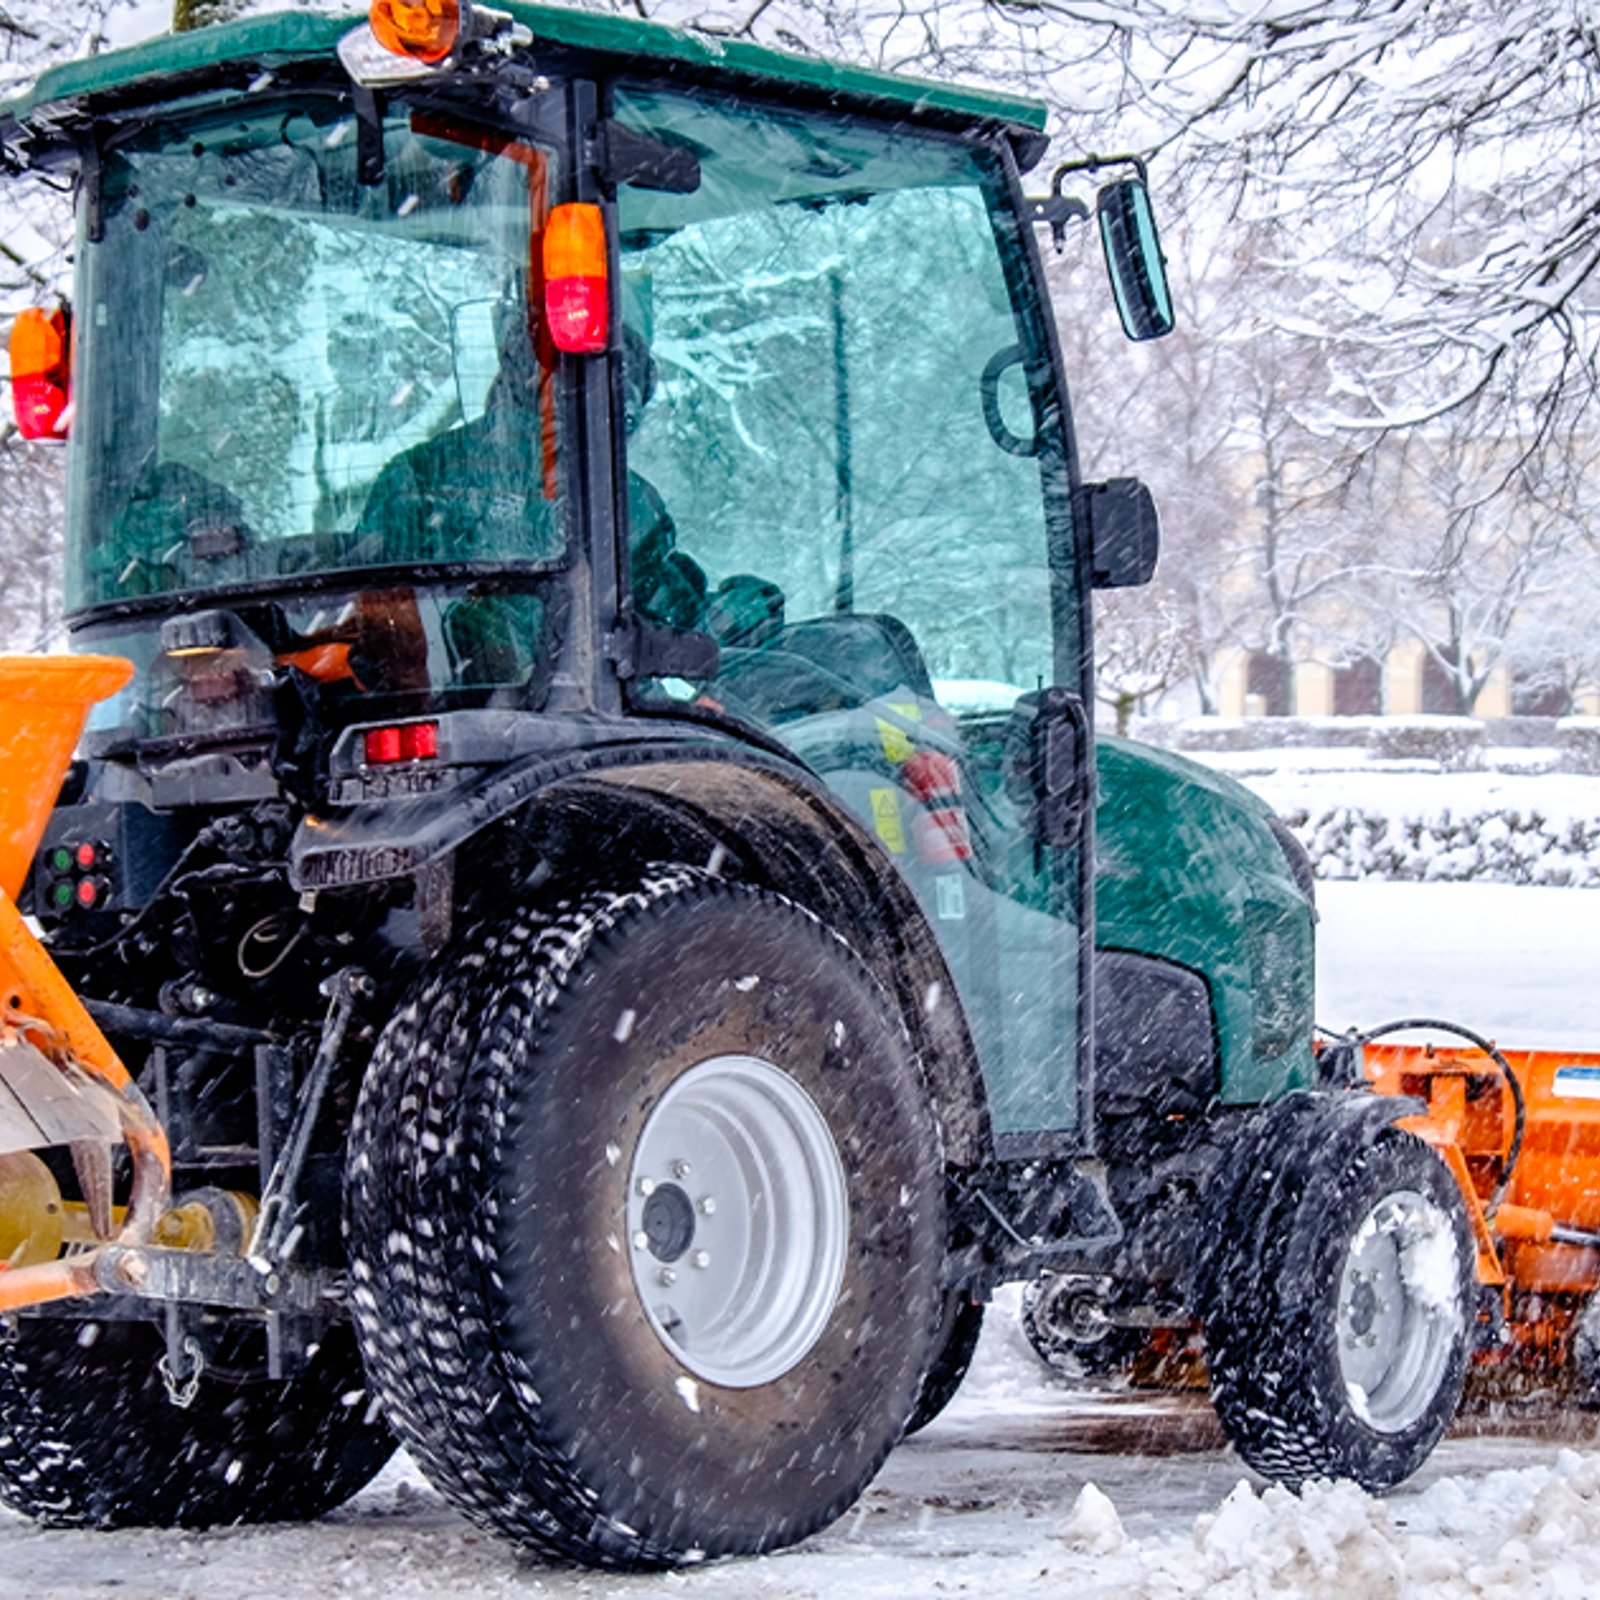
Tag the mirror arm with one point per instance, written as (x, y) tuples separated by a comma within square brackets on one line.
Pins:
[(1094, 163), (1058, 210), (369, 135)]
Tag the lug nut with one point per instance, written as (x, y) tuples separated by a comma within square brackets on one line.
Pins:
[(702, 1258), (681, 1170), (708, 1206), (666, 1277), (646, 1187), (641, 1240)]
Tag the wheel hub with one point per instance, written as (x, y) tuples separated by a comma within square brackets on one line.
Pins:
[(738, 1221), (1397, 1318), (668, 1221)]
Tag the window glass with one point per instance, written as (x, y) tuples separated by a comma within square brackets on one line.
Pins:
[(816, 323), (286, 371)]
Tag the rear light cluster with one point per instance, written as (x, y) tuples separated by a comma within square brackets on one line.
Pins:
[(401, 741), (77, 875), (576, 265), (41, 362)]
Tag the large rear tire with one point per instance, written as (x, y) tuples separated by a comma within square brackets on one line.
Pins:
[(89, 1438), (1341, 1312), (955, 1347), (646, 1216)]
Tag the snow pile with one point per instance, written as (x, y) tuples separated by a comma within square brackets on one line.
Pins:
[(1507, 1536), (1093, 1525)]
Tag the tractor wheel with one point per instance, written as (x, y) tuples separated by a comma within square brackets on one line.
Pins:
[(646, 1213), (90, 1438), (1341, 1314), (956, 1343), (1064, 1320), (1583, 1353)]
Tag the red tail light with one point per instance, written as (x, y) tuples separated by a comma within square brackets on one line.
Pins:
[(41, 359), (401, 741)]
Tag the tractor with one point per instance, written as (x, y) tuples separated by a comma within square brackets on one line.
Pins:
[(565, 907)]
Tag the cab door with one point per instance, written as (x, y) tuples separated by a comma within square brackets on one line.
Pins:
[(847, 465)]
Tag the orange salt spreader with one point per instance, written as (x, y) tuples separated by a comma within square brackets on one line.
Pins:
[(61, 1084)]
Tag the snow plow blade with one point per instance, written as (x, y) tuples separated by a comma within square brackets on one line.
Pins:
[(61, 1083)]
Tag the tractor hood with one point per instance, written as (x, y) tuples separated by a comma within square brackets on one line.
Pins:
[(1194, 869)]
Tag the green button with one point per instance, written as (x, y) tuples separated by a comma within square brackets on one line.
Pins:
[(61, 861), (61, 896)]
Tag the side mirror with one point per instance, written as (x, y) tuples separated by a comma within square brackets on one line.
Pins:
[(1134, 260), (1124, 532)]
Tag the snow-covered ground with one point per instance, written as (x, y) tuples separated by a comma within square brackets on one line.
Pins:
[(995, 1498), (1519, 965)]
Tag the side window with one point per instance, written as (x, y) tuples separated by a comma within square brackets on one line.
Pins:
[(812, 422)]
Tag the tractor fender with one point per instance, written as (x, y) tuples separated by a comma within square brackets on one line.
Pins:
[(1303, 1142), (592, 815)]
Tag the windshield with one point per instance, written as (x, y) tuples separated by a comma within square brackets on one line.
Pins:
[(285, 372)]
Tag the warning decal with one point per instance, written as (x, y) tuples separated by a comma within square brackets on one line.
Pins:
[(886, 819)]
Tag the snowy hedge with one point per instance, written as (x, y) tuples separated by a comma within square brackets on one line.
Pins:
[(1494, 814), (1513, 845)]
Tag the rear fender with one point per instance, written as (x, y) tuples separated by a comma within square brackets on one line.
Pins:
[(600, 814)]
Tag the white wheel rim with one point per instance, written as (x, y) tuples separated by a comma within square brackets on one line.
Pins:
[(738, 1221), (1399, 1313)]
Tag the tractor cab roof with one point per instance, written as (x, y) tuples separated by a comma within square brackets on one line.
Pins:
[(242, 50)]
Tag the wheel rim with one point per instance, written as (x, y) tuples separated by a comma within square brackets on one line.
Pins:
[(738, 1221), (1072, 1314), (1399, 1313)]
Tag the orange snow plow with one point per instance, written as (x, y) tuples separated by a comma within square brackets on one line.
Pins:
[(1520, 1130), (61, 1084)]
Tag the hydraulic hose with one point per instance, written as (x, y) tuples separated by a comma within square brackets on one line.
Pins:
[(1518, 1100)]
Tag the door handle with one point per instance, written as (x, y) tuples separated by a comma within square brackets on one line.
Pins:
[(1063, 769)]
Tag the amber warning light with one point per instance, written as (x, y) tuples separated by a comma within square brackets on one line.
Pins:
[(425, 30), (41, 361)]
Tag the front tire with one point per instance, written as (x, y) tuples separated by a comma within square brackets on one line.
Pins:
[(1342, 1312), (580, 1352)]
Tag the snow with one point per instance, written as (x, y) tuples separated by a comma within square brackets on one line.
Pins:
[(1028, 1486), (1514, 963)]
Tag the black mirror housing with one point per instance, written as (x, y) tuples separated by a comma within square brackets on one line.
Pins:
[(1134, 260), (1124, 532)]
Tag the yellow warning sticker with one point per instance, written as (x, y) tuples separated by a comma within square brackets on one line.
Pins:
[(886, 819), (909, 709), (897, 745)]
